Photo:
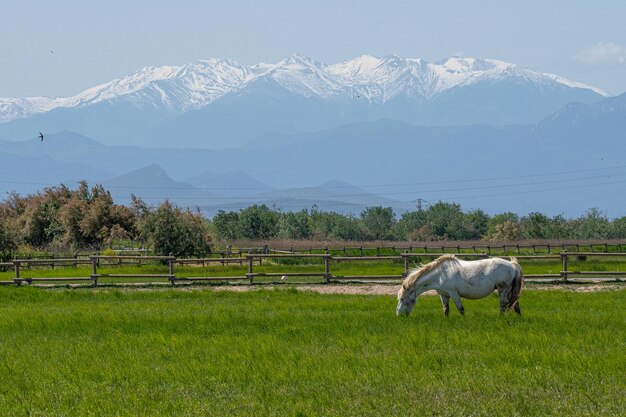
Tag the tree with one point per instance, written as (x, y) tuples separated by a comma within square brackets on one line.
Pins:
[(168, 229), (503, 227), (409, 224), (332, 225), (226, 225), (295, 225), (258, 222), (618, 228), (445, 220), (475, 225), (592, 225), (535, 226), (8, 240), (377, 222)]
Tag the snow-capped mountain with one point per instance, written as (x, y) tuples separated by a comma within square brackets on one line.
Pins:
[(220, 103), (191, 86)]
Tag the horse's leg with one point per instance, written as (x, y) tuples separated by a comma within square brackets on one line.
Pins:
[(457, 301), (516, 308), (445, 301), (504, 299)]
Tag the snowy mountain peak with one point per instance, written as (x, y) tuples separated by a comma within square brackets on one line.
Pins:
[(378, 80)]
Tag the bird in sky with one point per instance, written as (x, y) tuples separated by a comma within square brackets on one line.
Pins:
[(41, 136), (51, 51)]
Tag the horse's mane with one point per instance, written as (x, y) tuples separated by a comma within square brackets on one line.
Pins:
[(416, 274)]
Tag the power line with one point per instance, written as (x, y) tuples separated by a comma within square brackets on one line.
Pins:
[(364, 203), (466, 180), (429, 191)]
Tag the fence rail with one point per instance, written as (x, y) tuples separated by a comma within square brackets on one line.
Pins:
[(518, 248), (251, 260)]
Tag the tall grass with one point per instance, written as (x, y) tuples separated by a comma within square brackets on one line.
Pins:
[(200, 353)]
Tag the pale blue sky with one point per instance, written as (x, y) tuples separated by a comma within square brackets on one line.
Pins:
[(96, 41)]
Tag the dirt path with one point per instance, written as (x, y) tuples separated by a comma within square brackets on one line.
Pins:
[(352, 288), (388, 289)]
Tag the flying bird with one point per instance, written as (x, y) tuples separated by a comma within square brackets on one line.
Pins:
[(41, 136), (51, 51)]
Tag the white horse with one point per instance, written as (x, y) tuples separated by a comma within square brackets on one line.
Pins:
[(454, 278)]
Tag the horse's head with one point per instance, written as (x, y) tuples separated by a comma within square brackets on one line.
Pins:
[(406, 301)]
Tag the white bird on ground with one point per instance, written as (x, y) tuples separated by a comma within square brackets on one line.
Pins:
[(283, 278)]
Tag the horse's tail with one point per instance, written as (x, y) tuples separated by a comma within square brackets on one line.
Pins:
[(518, 284)]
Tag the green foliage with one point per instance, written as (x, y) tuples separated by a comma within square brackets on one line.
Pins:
[(618, 228), (170, 230), (60, 217), (332, 225), (8, 241), (378, 222), (592, 225), (410, 222), (441, 221), (503, 227), (446, 221), (226, 225), (296, 225), (475, 225), (258, 222)]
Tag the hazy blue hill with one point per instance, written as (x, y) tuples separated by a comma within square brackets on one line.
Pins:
[(29, 173), (415, 161), (235, 183), (62, 146), (263, 107), (503, 102), (605, 119), (113, 122), (154, 185)]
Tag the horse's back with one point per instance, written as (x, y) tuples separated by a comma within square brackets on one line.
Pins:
[(479, 278)]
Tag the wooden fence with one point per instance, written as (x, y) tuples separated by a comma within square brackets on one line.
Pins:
[(251, 260), (455, 247)]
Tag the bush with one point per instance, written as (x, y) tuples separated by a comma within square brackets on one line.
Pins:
[(378, 222), (169, 230)]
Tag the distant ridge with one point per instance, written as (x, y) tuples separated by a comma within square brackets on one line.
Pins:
[(194, 85), (219, 104)]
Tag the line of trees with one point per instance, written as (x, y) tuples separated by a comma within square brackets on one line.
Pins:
[(62, 219), (440, 221)]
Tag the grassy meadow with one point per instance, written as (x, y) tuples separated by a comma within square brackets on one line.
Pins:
[(170, 352)]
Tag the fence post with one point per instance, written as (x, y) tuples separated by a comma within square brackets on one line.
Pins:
[(327, 267), (94, 269), (17, 279), (250, 272), (564, 271), (171, 262), (405, 258)]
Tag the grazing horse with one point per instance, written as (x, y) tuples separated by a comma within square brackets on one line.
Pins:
[(455, 278)]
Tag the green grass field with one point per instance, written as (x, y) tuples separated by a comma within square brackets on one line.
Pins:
[(167, 352)]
